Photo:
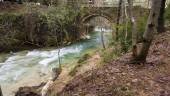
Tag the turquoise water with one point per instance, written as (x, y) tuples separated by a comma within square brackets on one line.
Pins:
[(27, 68)]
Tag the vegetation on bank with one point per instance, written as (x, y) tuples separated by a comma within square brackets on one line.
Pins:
[(39, 27), (124, 37)]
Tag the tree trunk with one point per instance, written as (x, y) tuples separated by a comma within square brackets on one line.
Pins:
[(149, 32), (118, 18), (134, 26), (1, 91), (161, 21), (127, 21), (102, 39)]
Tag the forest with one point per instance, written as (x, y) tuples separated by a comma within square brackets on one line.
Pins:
[(84, 47)]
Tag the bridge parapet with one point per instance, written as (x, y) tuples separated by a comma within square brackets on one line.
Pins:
[(107, 12)]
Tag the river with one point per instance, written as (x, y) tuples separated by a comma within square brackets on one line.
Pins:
[(31, 67)]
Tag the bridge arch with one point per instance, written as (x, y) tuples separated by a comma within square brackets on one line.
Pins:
[(86, 18)]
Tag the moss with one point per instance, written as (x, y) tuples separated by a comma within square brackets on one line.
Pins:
[(80, 62), (141, 25), (84, 58)]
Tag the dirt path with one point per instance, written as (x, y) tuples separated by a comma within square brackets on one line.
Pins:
[(122, 79)]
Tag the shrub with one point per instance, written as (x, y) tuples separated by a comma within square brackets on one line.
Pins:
[(124, 40), (110, 53), (40, 27)]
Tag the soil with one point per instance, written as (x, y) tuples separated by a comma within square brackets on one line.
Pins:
[(119, 78)]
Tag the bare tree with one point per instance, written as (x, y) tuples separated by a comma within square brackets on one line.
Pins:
[(134, 26), (161, 21), (118, 18), (102, 38), (127, 21), (149, 31)]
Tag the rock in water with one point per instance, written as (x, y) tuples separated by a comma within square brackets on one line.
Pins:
[(55, 73), (30, 91), (26, 91)]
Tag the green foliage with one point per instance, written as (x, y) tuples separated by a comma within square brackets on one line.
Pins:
[(52, 26), (167, 13), (9, 30), (124, 40), (83, 58), (75, 69), (61, 19), (110, 53), (141, 25)]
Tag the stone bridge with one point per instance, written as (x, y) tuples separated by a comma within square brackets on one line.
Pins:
[(108, 13)]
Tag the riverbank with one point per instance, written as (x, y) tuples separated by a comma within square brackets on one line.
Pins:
[(90, 63), (120, 78), (14, 73)]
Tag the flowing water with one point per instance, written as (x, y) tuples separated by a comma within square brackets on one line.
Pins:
[(28, 68)]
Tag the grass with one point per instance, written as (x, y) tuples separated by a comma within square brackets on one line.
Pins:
[(110, 53), (79, 64)]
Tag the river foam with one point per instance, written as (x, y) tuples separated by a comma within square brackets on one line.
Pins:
[(53, 55)]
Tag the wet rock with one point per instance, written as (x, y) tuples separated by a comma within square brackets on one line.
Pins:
[(55, 73), (26, 91), (30, 91), (42, 74)]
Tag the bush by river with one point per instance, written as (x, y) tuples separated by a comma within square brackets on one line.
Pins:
[(38, 27)]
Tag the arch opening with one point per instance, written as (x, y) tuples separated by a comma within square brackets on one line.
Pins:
[(101, 25), (96, 21)]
